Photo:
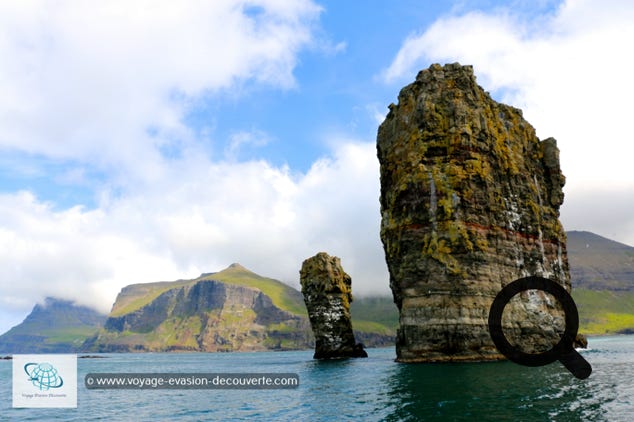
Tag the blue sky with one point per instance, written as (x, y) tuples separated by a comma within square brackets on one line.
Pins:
[(150, 140)]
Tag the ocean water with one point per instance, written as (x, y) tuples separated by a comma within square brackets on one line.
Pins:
[(373, 389)]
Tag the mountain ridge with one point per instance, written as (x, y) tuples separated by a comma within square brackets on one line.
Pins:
[(200, 315)]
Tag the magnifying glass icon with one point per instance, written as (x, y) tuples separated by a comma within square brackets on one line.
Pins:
[(563, 351)]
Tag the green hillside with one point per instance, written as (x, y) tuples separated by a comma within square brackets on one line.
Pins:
[(136, 296), (602, 275), (282, 295), (374, 313), (604, 311)]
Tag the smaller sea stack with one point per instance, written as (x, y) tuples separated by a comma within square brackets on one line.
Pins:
[(327, 293)]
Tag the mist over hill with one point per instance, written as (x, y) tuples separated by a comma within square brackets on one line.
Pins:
[(56, 326)]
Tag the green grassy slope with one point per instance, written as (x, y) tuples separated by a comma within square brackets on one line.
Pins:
[(374, 314), (604, 311), (282, 295), (136, 296), (602, 274)]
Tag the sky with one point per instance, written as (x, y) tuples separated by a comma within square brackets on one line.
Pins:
[(147, 140)]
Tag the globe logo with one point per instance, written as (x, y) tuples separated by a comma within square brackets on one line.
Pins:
[(43, 375)]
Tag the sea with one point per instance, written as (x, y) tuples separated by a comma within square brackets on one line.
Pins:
[(372, 389)]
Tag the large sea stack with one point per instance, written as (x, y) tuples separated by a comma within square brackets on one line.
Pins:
[(327, 293), (470, 202)]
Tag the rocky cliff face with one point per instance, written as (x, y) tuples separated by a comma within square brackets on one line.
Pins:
[(203, 315), (327, 293), (470, 202)]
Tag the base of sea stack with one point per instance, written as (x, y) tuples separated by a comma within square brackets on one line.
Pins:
[(357, 351), (433, 344), (439, 357)]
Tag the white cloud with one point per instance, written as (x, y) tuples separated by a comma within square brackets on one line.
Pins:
[(240, 139), (109, 82), (200, 216), (568, 71), (70, 254), (606, 210)]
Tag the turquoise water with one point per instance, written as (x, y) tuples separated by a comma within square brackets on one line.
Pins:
[(373, 389)]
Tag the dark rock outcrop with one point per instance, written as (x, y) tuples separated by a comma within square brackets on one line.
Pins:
[(327, 294), (470, 202), (581, 342)]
